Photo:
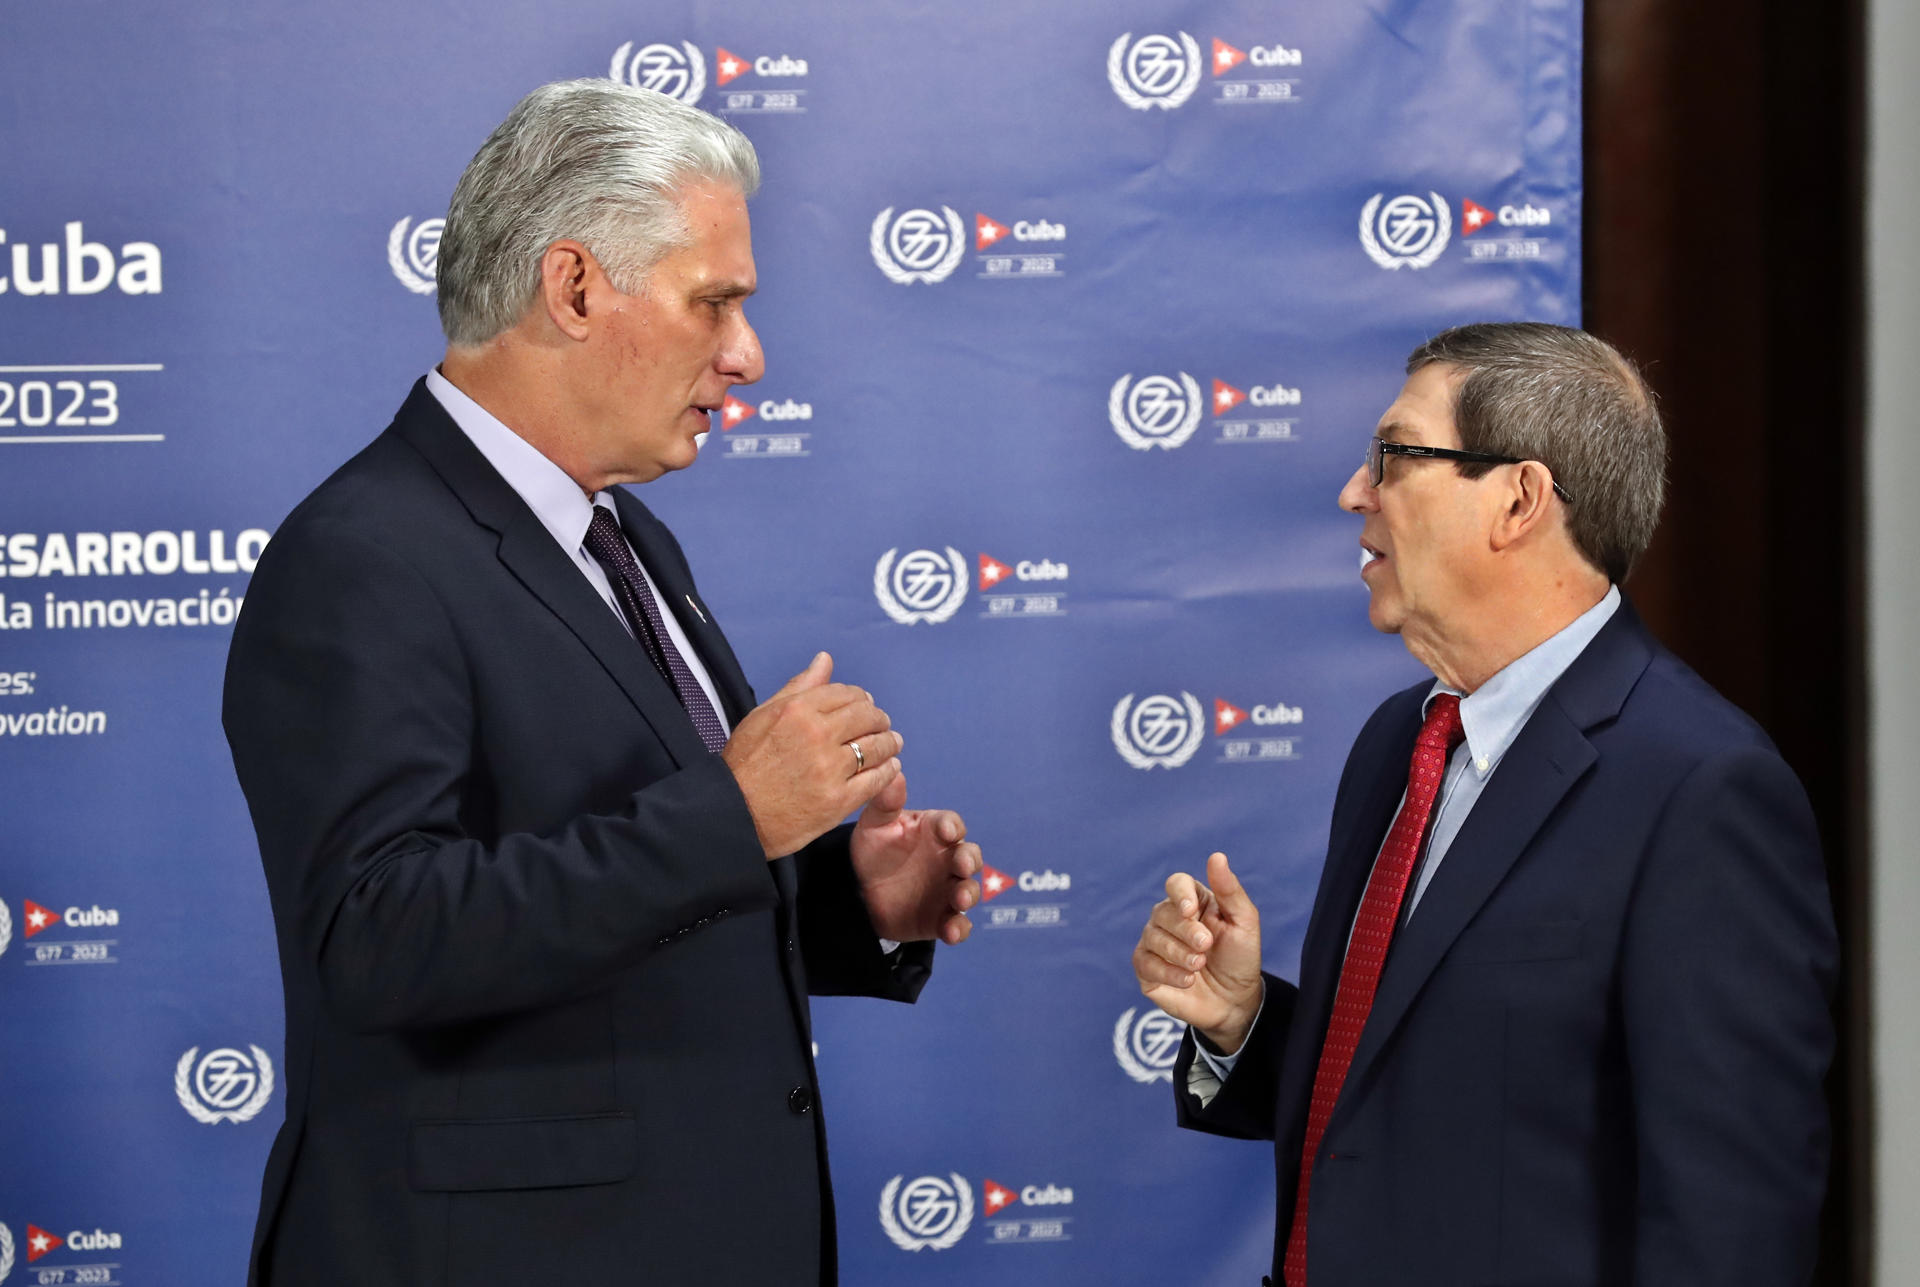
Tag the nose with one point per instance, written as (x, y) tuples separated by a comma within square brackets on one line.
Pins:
[(1359, 495), (740, 357)]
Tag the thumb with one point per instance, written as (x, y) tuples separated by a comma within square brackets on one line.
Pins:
[(1226, 887), (818, 672)]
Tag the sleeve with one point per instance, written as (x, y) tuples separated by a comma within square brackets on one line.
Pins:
[(1243, 1108), (838, 944), (1206, 1073), (350, 713), (1728, 969)]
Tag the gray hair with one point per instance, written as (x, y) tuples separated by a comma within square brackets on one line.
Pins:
[(591, 160), (1572, 402)]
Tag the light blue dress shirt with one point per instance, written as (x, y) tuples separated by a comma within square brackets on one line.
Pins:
[(564, 510), (1492, 716)]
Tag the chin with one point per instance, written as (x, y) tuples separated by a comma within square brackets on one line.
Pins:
[(1383, 616)]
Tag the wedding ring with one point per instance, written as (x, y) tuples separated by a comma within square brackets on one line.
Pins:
[(859, 757)]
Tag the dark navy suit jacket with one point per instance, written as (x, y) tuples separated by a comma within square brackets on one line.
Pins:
[(1596, 1055), (546, 999)]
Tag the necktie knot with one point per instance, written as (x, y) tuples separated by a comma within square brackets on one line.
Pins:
[(1443, 728), (603, 540)]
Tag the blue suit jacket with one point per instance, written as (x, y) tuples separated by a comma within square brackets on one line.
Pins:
[(1597, 1050), (546, 997)]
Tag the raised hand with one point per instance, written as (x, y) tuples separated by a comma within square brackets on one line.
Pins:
[(1198, 957), (793, 762), (915, 868)]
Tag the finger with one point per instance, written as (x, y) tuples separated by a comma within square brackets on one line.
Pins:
[(1226, 886), (855, 719), (1184, 893), (828, 700), (1194, 931), (833, 697), (954, 930), (948, 827), (965, 894), (1154, 972), (1192, 936), (873, 749), (862, 787), (966, 860), (887, 803), (818, 671), (1171, 948)]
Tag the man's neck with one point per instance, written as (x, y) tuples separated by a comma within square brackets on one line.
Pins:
[(493, 376), (1496, 633)]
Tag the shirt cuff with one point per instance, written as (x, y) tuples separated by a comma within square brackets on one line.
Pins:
[(1208, 1074)]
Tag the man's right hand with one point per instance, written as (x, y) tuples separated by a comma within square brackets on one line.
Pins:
[(791, 758), (1199, 955)]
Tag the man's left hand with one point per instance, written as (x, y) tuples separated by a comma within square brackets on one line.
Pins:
[(915, 868)]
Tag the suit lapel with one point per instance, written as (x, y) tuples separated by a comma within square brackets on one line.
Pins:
[(1350, 864), (1550, 755), (528, 551)]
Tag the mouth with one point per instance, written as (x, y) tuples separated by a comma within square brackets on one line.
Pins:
[(1368, 557), (706, 419)]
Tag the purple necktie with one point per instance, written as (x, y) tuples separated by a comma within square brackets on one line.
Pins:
[(637, 604)]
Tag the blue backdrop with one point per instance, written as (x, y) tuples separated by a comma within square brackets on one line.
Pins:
[(1076, 319)]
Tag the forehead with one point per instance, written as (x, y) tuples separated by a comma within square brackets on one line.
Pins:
[(719, 249), (1423, 412)]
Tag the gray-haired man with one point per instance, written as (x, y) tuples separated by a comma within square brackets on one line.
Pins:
[(551, 890)]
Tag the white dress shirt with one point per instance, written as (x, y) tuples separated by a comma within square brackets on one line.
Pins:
[(1492, 717), (565, 511)]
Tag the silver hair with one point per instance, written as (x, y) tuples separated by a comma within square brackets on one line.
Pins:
[(1578, 406), (591, 160)]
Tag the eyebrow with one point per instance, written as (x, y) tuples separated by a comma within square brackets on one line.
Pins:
[(1392, 431)]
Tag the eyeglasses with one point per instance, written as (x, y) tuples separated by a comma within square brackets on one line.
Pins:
[(1378, 449)]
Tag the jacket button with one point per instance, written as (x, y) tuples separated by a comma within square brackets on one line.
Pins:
[(800, 1101)]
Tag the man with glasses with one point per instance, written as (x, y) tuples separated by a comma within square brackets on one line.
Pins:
[(1563, 1002)]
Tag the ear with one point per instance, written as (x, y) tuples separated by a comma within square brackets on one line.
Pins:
[(568, 271), (1527, 502)]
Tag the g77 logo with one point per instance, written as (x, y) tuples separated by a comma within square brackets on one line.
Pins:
[(1156, 411), (918, 246), (930, 1214), (224, 1086), (922, 586), (678, 73), (1161, 731), (1153, 71), (1407, 232)]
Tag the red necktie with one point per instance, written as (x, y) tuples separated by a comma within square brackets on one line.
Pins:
[(1367, 950)]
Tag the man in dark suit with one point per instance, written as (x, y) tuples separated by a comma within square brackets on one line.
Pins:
[(1563, 1010), (551, 891)]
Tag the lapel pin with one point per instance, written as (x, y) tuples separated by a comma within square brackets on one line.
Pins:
[(696, 609)]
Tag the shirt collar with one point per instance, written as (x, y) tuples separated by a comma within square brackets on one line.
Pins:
[(1494, 713), (555, 499)]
